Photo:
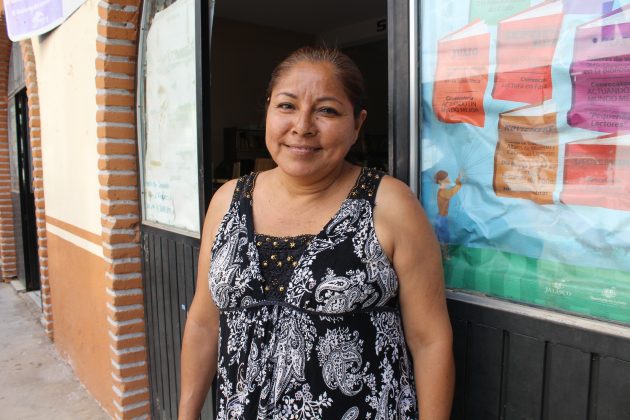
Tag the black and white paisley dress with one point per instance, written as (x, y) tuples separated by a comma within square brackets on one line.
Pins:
[(318, 336)]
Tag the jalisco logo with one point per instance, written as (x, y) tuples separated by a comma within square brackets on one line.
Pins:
[(558, 288), (608, 296)]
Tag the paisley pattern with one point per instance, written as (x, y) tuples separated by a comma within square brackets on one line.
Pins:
[(331, 346)]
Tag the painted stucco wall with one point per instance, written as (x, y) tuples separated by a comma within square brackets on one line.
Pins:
[(66, 73)]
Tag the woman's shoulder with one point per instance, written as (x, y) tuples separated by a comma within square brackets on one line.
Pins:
[(219, 206), (397, 207), (395, 192)]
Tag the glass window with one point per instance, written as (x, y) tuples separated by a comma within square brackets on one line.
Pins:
[(525, 145), (170, 191)]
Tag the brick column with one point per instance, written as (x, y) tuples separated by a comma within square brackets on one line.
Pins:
[(7, 235), (120, 215), (37, 177)]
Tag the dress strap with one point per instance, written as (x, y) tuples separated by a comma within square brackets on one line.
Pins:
[(367, 184), (243, 189)]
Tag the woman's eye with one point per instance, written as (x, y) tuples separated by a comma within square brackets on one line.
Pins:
[(328, 111), (285, 105)]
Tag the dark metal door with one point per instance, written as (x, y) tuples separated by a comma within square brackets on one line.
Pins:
[(169, 257), (27, 195)]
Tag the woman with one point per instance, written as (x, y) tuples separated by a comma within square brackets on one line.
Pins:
[(326, 296)]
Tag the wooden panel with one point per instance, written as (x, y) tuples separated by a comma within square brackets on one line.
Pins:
[(613, 389), (483, 383), (523, 375), (567, 378)]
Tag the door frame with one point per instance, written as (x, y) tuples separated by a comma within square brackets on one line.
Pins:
[(27, 194)]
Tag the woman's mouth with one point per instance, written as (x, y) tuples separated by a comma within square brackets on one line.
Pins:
[(302, 149)]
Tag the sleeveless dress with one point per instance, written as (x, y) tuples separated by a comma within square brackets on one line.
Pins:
[(310, 326)]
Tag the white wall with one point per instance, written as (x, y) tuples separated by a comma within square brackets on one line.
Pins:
[(67, 93)]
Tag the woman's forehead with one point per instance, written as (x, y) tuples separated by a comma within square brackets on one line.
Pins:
[(309, 75)]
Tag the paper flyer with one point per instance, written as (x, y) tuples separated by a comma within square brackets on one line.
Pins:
[(526, 159), (461, 76), (492, 11), (597, 173), (528, 191), (526, 44), (600, 74), (588, 6)]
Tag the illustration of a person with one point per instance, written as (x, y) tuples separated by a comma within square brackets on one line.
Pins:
[(444, 194)]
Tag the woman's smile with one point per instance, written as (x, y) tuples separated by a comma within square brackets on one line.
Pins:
[(302, 149), (311, 123)]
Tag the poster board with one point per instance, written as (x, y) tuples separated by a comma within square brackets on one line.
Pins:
[(170, 170), (526, 149), (29, 18)]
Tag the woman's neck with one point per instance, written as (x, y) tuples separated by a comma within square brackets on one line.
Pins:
[(312, 186)]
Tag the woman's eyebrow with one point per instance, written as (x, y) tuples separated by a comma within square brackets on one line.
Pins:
[(290, 95), (322, 99), (328, 98)]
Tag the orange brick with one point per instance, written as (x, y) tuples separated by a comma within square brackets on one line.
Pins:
[(115, 209), (116, 132), (126, 2), (114, 14), (125, 315), (114, 253), (128, 117), (126, 67), (135, 283), (124, 268), (113, 148), (112, 32), (112, 194), (118, 50), (124, 300), (132, 371), (121, 238), (117, 164), (118, 180), (136, 356), (104, 82), (115, 100), (133, 399), (136, 412), (136, 327), (120, 222), (126, 386)]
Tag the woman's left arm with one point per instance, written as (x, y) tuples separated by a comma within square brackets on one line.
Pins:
[(408, 240)]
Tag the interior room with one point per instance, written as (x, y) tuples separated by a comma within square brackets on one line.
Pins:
[(250, 37)]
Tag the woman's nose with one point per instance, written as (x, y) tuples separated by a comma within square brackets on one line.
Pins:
[(305, 124)]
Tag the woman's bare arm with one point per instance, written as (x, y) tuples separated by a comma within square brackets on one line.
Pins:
[(408, 239), (199, 345)]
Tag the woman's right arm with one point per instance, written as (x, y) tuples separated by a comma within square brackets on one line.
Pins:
[(200, 342)]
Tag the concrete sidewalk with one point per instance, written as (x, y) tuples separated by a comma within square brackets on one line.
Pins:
[(35, 383)]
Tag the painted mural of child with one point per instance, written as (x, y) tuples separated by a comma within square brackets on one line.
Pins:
[(444, 194)]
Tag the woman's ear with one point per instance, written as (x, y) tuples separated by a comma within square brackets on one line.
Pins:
[(360, 120)]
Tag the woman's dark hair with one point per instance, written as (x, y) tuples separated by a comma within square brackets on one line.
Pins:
[(347, 71)]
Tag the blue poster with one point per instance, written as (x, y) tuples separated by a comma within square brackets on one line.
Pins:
[(526, 149)]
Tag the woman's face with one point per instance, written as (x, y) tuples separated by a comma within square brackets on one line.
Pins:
[(310, 121)]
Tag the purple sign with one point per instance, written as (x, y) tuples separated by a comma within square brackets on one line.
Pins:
[(588, 6), (600, 74), (27, 18)]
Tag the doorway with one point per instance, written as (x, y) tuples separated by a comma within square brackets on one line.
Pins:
[(24, 218), (250, 38)]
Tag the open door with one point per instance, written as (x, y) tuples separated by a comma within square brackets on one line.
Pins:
[(28, 270)]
